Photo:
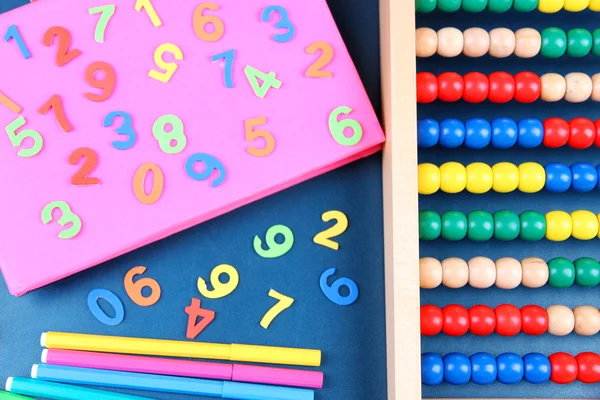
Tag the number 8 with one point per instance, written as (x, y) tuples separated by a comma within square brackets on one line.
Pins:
[(165, 139)]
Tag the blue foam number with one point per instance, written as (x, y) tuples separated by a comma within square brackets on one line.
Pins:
[(13, 33), (333, 292), (115, 303), (211, 164), (284, 23), (125, 129), (229, 57)]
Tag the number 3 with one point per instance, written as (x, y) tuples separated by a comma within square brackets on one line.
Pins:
[(68, 217), (324, 238), (333, 292), (284, 23)]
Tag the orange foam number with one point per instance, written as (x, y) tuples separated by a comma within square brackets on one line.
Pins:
[(107, 83), (63, 55), (91, 160), (55, 103), (201, 20), (157, 188), (314, 71), (8, 103), (194, 311), (252, 135), (134, 289)]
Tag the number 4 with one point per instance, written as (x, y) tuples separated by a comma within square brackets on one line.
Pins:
[(283, 303), (269, 80), (194, 311)]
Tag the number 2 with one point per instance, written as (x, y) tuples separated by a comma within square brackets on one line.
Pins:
[(68, 217), (55, 103), (315, 70), (283, 23), (169, 67), (63, 55), (194, 311), (252, 135), (13, 33), (284, 302), (90, 161), (324, 238)]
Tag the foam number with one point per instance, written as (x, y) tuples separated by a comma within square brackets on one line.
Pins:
[(13, 33), (67, 217), (219, 289), (149, 8), (63, 54), (16, 139), (10, 104), (253, 134), (107, 83), (201, 21), (114, 302), (126, 129), (333, 292), (341, 224), (157, 187), (211, 164), (229, 57), (168, 67), (315, 70), (336, 127), (194, 311), (89, 164), (283, 23), (274, 249), (134, 289), (284, 302), (166, 138), (55, 104), (106, 13), (269, 80)]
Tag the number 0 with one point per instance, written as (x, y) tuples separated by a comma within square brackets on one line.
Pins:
[(157, 187)]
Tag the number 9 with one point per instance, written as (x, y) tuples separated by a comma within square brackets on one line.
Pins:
[(275, 249), (219, 289), (333, 292)]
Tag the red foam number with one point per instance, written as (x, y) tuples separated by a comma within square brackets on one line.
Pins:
[(63, 55), (194, 311)]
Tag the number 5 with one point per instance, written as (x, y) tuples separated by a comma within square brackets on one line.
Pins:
[(283, 303), (252, 135), (16, 139)]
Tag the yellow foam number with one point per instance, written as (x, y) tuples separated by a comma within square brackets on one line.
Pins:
[(275, 249), (168, 67), (67, 217), (16, 139), (147, 5), (283, 303), (324, 238), (219, 289)]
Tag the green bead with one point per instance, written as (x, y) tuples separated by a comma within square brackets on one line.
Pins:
[(480, 226), (499, 6), (474, 6), (533, 226), (579, 42), (587, 272), (454, 225), (430, 225), (525, 5), (554, 43), (506, 225), (596, 40), (449, 5), (562, 273), (425, 6)]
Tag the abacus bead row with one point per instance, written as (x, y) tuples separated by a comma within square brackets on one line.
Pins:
[(509, 368), (501, 6), (504, 225), (502, 87)]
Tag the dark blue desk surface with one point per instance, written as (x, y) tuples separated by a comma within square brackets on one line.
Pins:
[(352, 338)]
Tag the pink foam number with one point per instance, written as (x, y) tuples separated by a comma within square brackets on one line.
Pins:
[(114, 221)]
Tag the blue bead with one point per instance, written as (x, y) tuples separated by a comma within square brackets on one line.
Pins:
[(483, 368), (479, 133), (585, 177), (432, 369), (452, 133), (428, 133), (504, 133), (531, 133), (558, 177), (510, 368), (457, 369), (537, 368)]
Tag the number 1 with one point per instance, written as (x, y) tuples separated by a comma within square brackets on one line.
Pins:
[(147, 5), (13, 33), (107, 13), (55, 103), (229, 57), (283, 303)]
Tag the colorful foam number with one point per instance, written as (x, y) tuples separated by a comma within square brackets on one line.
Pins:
[(13, 33), (333, 292), (55, 104), (168, 67), (106, 12), (90, 160), (114, 302), (211, 164), (283, 23), (17, 139), (337, 127), (316, 69), (147, 6), (284, 302), (341, 224), (252, 134), (194, 311), (174, 134), (126, 129), (220, 289), (201, 20), (63, 54), (255, 77), (134, 289), (229, 57), (10, 104), (274, 249), (107, 83), (157, 187), (67, 217)]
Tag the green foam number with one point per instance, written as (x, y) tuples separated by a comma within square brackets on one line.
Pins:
[(337, 127), (269, 80), (165, 138), (275, 249), (16, 139), (106, 14), (67, 217)]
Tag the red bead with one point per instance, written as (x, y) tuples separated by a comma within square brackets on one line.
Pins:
[(564, 368), (477, 87), (432, 320), (583, 133), (456, 320), (597, 140), (482, 320), (508, 320), (534, 320), (427, 87), (528, 87), (589, 367), (502, 87), (450, 87), (556, 132)]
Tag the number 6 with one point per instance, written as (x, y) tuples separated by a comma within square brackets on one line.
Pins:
[(134, 289), (333, 292), (337, 127)]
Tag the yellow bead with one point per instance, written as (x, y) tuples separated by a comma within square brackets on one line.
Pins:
[(585, 224), (551, 6), (576, 5), (594, 5), (506, 177), (453, 177), (532, 177), (559, 226), (429, 178), (479, 178)]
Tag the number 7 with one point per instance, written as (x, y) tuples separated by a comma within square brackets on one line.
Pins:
[(107, 13), (283, 303)]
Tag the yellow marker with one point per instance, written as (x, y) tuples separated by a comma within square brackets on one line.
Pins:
[(275, 355)]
